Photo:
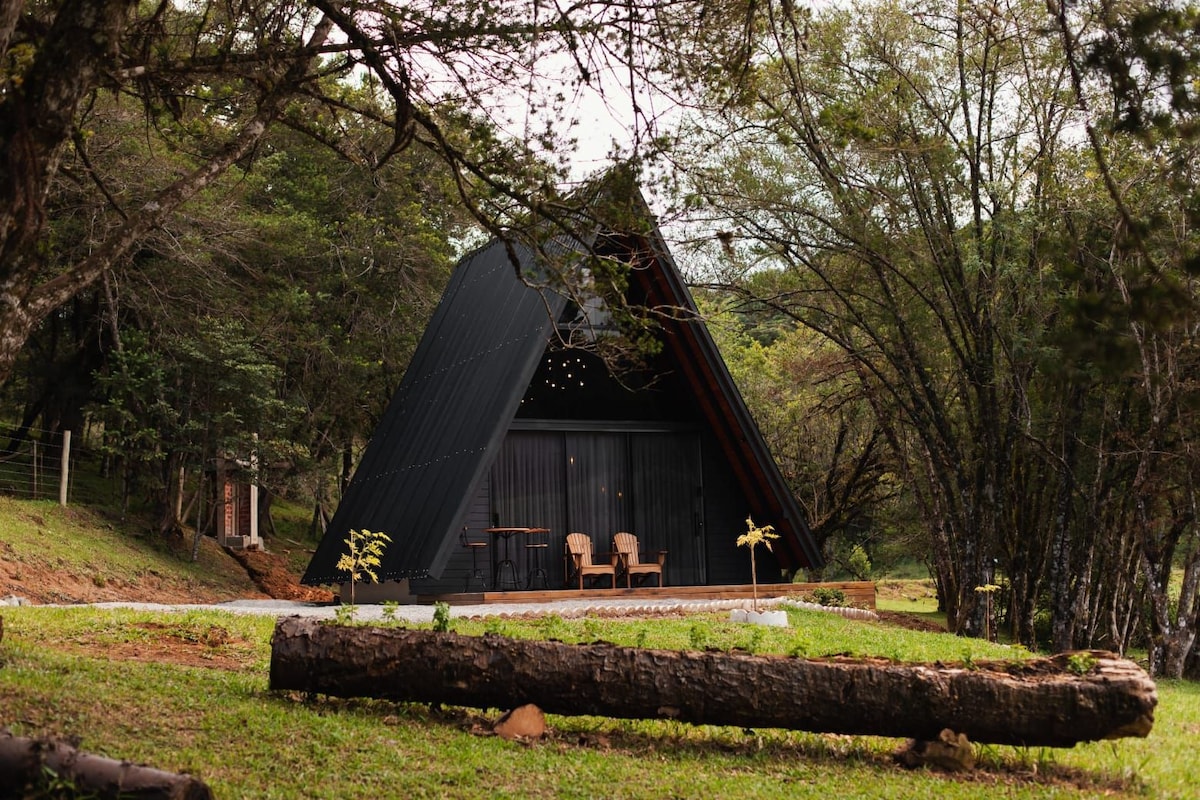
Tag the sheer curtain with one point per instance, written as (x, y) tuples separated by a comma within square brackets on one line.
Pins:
[(527, 481), (667, 488), (598, 501), (528, 491), (602, 483)]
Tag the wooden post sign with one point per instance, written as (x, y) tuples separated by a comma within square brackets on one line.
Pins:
[(1037, 702)]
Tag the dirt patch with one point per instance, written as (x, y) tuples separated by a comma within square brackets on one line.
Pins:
[(212, 647), (242, 575), (271, 575), (42, 582), (910, 622)]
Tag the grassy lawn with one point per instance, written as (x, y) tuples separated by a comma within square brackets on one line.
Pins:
[(189, 692), (51, 554)]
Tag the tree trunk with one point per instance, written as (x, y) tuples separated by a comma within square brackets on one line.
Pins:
[(24, 762), (266, 522), (1037, 702), (347, 467), (35, 125), (1063, 574), (170, 521)]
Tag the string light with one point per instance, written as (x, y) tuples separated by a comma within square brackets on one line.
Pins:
[(571, 368)]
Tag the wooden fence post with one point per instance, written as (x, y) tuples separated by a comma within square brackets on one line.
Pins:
[(64, 469)]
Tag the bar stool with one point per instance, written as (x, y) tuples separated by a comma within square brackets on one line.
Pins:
[(474, 546), (534, 547), (504, 568)]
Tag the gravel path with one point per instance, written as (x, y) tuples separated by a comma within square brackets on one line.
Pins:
[(424, 613)]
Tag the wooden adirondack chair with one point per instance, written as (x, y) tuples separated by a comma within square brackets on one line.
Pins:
[(626, 545), (579, 545)]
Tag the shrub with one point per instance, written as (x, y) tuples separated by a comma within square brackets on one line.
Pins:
[(441, 617), (858, 563), (829, 596)]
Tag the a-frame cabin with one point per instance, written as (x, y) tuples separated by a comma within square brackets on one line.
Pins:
[(495, 423)]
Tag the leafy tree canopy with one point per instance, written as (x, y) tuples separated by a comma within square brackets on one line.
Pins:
[(206, 81)]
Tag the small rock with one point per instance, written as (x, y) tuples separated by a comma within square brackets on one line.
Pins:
[(13, 600), (951, 752), (523, 722)]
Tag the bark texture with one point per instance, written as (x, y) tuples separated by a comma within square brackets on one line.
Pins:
[(23, 761), (1038, 702)]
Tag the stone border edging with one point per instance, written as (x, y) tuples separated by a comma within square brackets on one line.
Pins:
[(636, 608)]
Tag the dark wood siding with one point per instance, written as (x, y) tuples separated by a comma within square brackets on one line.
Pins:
[(458, 567), (725, 511)]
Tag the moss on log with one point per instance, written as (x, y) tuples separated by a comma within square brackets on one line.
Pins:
[(1034, 702)]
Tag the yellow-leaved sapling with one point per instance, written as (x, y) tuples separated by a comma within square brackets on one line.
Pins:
[(753, 537), (365, 550)]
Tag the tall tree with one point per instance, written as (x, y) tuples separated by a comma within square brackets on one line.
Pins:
[(1144, 138), (212, 78), (1016, 299), (277, 314), (901, 158), (1133, 327)]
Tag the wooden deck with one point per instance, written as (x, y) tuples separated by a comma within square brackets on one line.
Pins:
[(860, 594)]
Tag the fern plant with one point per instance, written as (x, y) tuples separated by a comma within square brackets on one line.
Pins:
[(365, 548)]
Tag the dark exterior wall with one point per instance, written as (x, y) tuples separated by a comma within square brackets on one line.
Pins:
[(725, 510), (458, 568), (577, 385)]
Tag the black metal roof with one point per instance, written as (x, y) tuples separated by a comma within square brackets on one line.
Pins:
[(443, 428), (438, 435)]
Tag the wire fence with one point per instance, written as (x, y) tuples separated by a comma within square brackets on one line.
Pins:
[(53, 465)]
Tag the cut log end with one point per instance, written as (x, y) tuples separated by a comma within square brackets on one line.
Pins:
[(1137, 729)]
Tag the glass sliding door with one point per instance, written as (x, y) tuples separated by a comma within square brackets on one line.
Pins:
[(527, 491), (600, 483), (527, 481), (668, 511), (598, 492)]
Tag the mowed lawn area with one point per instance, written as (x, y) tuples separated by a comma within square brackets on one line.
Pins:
[(188, 692)]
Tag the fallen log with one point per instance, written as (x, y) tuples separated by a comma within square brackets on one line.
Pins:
[(1040, 702), (23, 765)]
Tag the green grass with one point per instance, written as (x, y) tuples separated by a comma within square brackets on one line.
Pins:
[(292, 527), (905, 569), (912, 596), (41, 535), (811, 634), (67, 672), (57, 678)]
